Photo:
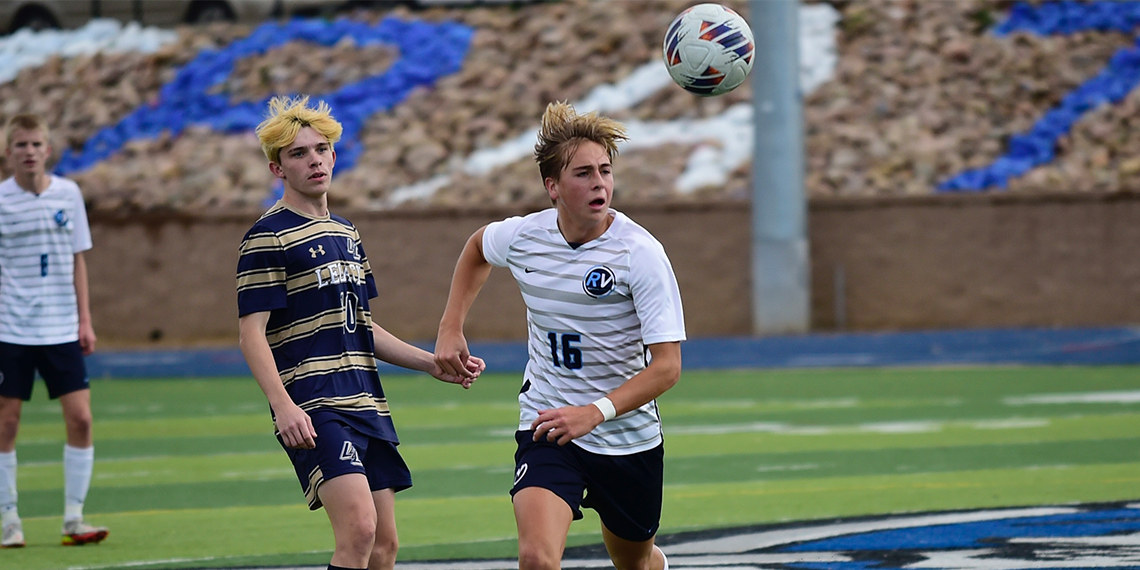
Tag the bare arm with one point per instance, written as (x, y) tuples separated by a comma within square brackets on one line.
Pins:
[(293, 423), (395, 351), (83, 300), (471, 272), (571, 422)]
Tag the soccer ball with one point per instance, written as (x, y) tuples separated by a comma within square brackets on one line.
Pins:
[(708, 49)]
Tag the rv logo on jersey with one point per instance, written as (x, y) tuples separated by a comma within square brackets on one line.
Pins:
[(599, 281)]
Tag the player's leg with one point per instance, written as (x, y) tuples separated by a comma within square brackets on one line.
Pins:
[(626, 491), (633, 555), (11, 528), (546, 495), (387, 475), (350, 509), (543, 520), (18, 372), (10, 409), (334, 474), (77, 418), (78, 464), (387, 541), (65, 375)]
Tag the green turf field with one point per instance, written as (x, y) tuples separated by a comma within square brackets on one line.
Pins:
[(188, 474)]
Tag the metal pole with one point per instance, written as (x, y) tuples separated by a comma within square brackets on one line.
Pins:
[(781, 299)]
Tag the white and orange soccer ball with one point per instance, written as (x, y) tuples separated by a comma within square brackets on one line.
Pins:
[(709, 49)]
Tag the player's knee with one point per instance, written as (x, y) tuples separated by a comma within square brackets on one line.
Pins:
[(79, 424), (9, 415), (384, 552), (534, 558), (9, 425), (635, 556), (640, 563), (356, 536)]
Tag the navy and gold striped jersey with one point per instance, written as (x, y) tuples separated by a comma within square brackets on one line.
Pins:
[(313, 278)]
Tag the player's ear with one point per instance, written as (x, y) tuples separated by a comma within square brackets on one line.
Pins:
[(551, 188), (276, 170)]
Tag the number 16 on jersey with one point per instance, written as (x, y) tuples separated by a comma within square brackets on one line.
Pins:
[(571, 354)]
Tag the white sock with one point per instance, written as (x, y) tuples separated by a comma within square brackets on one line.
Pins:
[(77, 465), (8, 486)]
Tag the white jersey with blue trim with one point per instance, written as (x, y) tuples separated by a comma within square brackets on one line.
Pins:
[(591, 311), (39, 237)]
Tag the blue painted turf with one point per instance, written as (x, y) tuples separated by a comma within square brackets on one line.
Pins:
[(1085, 346)]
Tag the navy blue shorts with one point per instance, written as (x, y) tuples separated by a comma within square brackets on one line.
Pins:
[(60, 365), (625, 490), (341, 450)]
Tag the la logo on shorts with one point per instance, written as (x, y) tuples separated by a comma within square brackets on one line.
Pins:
[(348, 453)]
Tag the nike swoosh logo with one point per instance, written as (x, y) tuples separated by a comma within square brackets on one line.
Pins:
[(528, 270)]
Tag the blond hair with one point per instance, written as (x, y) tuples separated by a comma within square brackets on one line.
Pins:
[(25, 122), (287, 116), (563, 130)]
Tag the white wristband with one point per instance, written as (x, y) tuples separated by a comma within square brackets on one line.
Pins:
[(606, 407)]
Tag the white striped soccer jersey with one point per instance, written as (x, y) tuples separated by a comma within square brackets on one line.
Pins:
[(312, 276), (39, 237), (591, 312)]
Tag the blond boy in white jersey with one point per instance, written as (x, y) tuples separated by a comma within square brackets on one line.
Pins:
[(45, 320), (605, 326)]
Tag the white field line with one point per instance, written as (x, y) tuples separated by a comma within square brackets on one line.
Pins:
[(1121, 397), (921, 426)]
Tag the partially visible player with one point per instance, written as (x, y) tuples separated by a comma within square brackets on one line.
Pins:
[(304, 284), (605, 322), (45, 320)]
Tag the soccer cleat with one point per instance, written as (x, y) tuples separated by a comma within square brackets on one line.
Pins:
[(77, 533), (13, 535)]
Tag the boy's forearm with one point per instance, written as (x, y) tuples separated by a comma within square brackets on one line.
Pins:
[(395, 351), (471, 272), (82, 291)]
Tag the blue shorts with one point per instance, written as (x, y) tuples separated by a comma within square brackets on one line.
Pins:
[(625, 490), (60, 365), (341, 450)]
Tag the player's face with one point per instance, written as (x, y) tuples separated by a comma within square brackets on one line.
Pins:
[(306, 165), (28, 151), (585, 186)]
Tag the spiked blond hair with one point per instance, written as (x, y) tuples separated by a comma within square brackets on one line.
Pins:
[(563, 130), (287, 116)]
